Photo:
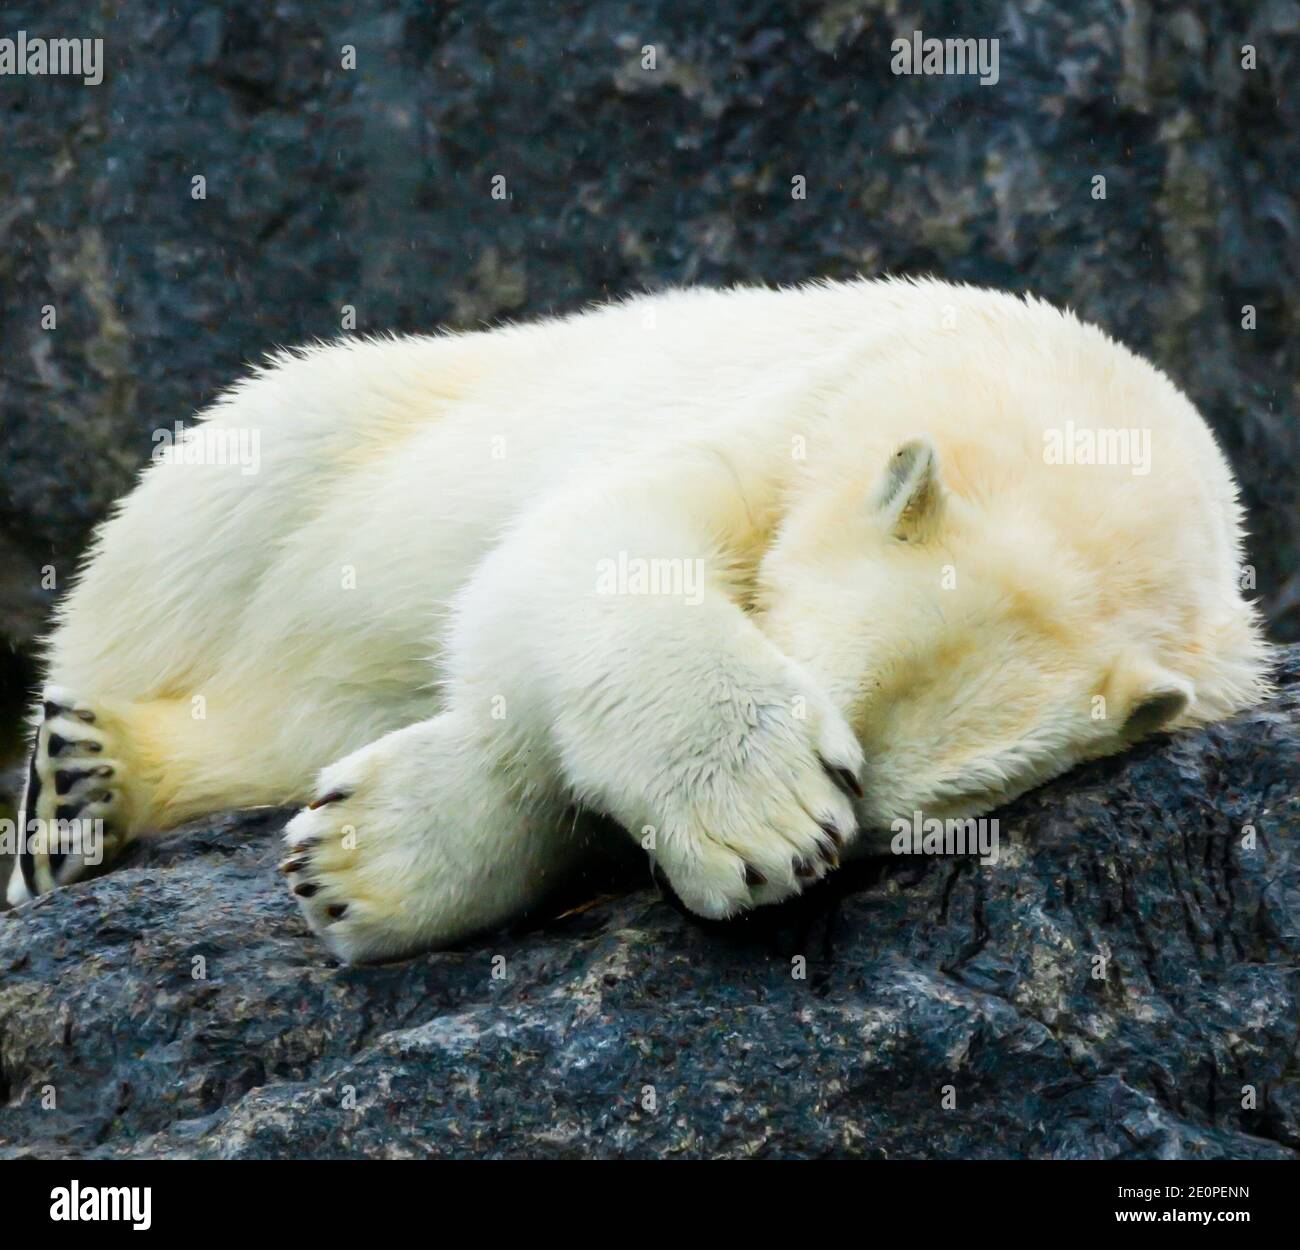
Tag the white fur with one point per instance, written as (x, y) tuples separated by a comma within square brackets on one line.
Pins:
[(893, 580)]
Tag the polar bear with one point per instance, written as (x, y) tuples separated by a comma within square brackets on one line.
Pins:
[(746, 571)]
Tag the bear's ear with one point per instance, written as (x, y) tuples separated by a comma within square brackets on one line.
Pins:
[(908, 502), (1151, 697)]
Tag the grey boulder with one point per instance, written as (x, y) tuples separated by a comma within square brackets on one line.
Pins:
[(1122, 982)]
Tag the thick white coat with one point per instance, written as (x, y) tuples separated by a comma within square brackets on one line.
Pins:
[(442, 543)]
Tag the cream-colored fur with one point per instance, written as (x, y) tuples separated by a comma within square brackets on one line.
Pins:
[(419, 593)]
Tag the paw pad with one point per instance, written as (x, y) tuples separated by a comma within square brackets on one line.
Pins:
[(69, 780)]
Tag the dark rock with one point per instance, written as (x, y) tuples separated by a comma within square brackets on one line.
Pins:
[(371, 188), (949, 1010)]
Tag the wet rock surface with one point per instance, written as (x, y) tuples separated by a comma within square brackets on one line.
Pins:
[(1123, 982)]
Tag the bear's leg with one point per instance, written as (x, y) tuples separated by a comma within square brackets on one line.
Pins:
[(119, 769), (609, 619), (425, 837), (667, 709)]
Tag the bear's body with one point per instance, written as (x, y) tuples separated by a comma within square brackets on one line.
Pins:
[(683, 559)]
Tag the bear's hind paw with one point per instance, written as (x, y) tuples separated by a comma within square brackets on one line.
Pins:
[(73, 819)]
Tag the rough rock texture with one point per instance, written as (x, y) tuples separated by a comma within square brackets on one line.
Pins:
[(371, 187), (948, 1010)]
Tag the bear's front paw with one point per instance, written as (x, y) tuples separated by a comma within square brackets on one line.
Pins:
[(765, 816), (413, 843), (353, 865)]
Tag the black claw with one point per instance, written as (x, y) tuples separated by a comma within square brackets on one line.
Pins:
[(836, 837), (827, 852), (671, 897), (66, 778), (306, 890), (334, 796), (57, 744), (753, 877), (294, 864), (66, 811), (804, 868), (53, 709), (843, 778), (336, 911)]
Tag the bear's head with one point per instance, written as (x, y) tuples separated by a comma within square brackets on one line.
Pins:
[(980, 645)]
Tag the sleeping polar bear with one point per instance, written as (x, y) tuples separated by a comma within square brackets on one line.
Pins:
[(746, 571)]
